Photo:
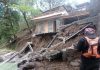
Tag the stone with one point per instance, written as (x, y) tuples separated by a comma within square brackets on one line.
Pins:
[(53, 55), (28, 66), (21, 63), (74, 64)]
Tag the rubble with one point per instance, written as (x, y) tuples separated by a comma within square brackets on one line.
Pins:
[(53, 55), (57, 50), (75, 63), (51, 52), (27, 66)]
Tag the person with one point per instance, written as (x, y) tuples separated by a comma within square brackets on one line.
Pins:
[(89, 46)]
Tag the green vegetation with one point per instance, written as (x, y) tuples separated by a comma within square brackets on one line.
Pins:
[(11, 17)]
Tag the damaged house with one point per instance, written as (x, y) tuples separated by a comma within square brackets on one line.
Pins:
[(50, 21)]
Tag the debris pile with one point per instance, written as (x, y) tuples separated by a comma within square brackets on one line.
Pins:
[(50, 52), (57, 56)]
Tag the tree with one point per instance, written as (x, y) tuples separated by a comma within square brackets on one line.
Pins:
[(10, 16), (8, 21), (27, 10), (49, 4), (94, 7)]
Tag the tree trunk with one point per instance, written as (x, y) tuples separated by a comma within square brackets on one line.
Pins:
[(26, 22)]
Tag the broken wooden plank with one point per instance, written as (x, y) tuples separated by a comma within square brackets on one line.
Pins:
[(54, 46), (57, 36), (27, 45), (83, 21), (52, 41), (10, 58), (69, 37), (77, 32)]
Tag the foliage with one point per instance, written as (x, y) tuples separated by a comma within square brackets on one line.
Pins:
[(27, 9), (8, 23), (11, 16), (49, 4), (1, 9)]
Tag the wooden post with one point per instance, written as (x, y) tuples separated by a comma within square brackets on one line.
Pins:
[(54, 26), (52, 41)]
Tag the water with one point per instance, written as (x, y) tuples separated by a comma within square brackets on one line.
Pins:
[(8, 66)]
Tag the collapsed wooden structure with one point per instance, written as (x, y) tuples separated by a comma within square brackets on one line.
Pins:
[(57, 47), (52, 51)]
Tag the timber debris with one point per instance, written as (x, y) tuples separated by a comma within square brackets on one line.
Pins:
[(45, 49)]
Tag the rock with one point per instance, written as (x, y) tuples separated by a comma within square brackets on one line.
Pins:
[(64, 55), (28, 66), (75, 63), (21, 63), (37, 58), (53, 55)]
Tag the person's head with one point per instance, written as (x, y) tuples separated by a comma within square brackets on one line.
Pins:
[(90, 32)]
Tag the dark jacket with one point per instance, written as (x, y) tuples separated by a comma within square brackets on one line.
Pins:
[(87, 63)]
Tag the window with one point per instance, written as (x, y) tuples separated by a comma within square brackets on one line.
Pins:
[(50, 26), (41, 27), (58, 24)]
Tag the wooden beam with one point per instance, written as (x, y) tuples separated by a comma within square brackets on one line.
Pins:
[(10, 58), (52, 41), (27, 45), (54, 46), (78, 32), (83, 21)]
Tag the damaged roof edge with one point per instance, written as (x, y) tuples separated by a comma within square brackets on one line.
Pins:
[(61, 15)]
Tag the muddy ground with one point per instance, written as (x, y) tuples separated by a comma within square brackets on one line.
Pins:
[(71, 63)]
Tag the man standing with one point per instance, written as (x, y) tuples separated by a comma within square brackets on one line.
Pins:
[(89, 46)]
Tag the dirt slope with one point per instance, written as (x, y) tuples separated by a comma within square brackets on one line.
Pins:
[(42, 42)]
